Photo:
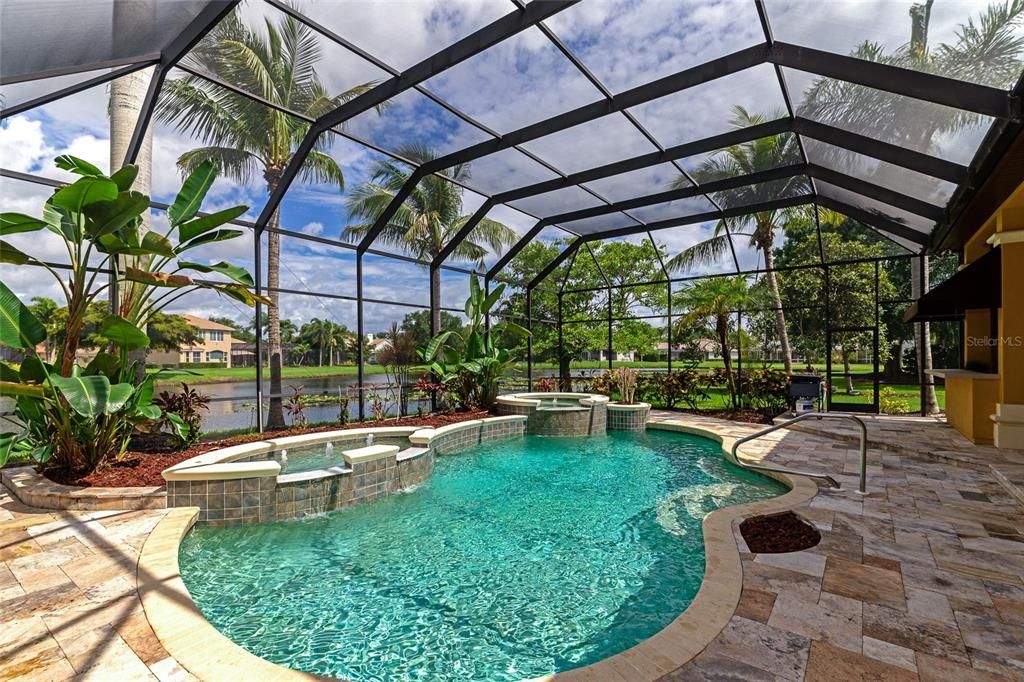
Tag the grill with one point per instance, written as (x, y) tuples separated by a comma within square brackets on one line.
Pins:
[(804, 386)]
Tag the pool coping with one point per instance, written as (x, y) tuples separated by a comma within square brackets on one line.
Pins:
[(209, 655)]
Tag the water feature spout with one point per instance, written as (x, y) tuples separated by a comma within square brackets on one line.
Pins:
[(284, 460), (369, 439), (329, 449)]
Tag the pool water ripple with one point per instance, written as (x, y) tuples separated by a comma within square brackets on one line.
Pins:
[(514, 560)]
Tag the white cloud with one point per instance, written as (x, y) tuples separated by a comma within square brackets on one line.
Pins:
[(314, 228)]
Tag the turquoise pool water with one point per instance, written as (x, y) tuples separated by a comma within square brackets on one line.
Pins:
[(516, 559)]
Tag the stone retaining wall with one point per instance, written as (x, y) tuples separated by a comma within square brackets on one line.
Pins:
[(35, 490)]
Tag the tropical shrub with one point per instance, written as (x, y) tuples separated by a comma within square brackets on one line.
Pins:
[(602, 384), (397, 357), (73, 417), (890, 402), (625, 379), (670, 389), (468, 362), (186, 405), (296, 406), (546, 384), (766, 390)]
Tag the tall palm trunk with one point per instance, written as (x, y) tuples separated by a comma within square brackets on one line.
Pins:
[(275, 415), (780, 315), (922, 335), (127, 95), (722, 327), (435, 299)]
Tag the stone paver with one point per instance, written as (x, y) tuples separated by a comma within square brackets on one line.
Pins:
[(922, 579), (919, 580), (68, 604)]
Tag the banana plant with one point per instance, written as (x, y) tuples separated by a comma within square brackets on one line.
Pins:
[(468, 362), (74, 417), (100, 218)]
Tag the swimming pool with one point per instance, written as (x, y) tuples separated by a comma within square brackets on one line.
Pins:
[(515, 559)]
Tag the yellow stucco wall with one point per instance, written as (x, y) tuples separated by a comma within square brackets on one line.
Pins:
[(970, 402)]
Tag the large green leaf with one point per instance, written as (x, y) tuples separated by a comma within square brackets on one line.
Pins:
[(12, 255), (125, 177), (11, 388), (33, 370), (104, 363), (435, 344), (152, 243), (235, 272), (194, 228), (92, 396), (8, 373), (157, 244), (238, 293), (84, 192), (208, 238), (192, 193), (119, 396), (123, 333), (157, 279), (60, 222), (178, 424), (108, 216), (510, 327), (12, 223), (19, 328), (76, 165)]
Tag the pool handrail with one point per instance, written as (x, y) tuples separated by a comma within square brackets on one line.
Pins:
[(862, 489)]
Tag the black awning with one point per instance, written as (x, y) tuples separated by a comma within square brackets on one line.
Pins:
[(979, 285)]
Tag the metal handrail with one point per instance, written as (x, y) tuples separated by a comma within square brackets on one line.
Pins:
[(825, 477)]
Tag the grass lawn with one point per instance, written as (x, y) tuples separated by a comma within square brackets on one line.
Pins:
[(212, 375)]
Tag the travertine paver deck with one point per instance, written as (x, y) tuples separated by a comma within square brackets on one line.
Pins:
[(921, 579), (68, 600)]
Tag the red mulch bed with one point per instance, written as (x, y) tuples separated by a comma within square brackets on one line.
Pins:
[(143, 469), (778, 533)]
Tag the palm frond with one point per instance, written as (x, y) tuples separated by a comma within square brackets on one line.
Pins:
[(706, 252)]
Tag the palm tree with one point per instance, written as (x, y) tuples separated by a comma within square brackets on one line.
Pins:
[(52, 317), (427, 219), (713, 301), (749, 157), (987, 51), (245, 139)]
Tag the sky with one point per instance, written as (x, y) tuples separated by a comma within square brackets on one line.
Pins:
[(624, 43)]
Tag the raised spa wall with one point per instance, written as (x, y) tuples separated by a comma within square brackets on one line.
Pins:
[(589, 417), (240, 484)]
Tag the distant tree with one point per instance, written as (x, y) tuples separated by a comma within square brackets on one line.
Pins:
[(246, 140), (428, 219), (712, 303), (418, 324), (48, 312), (851, 293), (170, 332), (986, 51)]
